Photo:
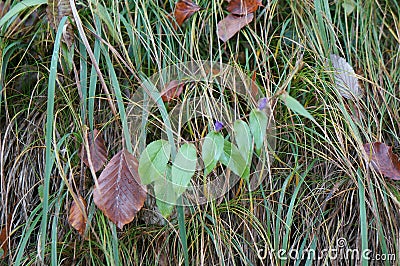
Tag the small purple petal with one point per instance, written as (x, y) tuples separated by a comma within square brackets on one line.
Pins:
[(262, 103), (218, 125)]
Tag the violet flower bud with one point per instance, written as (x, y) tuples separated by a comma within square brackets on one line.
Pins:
[(262, 103), (218, 125)]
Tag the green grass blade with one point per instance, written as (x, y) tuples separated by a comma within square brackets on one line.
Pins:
[(302, 250), (382, 239), (93, 75), (313, 246), (21, 6), (54, 237), (49, 134), (120, 102), (83, 81), (363, 217), (320, 15), (26, 234), (279, 218), (290, 212), (114, 241), (153, 92), (6, 54), (182, 230)]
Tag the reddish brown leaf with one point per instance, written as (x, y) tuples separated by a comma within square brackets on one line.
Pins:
[(120, 194), (254, 87), (243, 7), (383, 159), (184, 9), (172, 90), (232, 24), (76, 218), (4, 234), (98, 151)]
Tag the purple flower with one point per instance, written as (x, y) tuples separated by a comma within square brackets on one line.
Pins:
[(262, 103), (218, 125)]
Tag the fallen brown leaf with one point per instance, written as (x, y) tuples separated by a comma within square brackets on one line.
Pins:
[(76, 218), (254, 87), (4, 234), (97, 149), (383, 159), (120, 194), (184, 9), (172, 90), (231, 25), (243, 7), (346, 81)]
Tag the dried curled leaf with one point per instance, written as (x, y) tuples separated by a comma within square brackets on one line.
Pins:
[(383, 159), (76, 218), (119, 194), (243, 7), (184, 9), (56, 10), (97, 149), (172, 90), (345, 79), (231, 25)]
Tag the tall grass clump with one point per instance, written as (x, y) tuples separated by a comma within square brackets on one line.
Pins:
[(321, 196)]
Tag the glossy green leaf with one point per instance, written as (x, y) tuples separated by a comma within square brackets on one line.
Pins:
[(233, 159), (164, 207), (153, 161), (258, 126), (165, 195), (295, 106), (348, 6), (243, 139), (183, 167), (212, 149)]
